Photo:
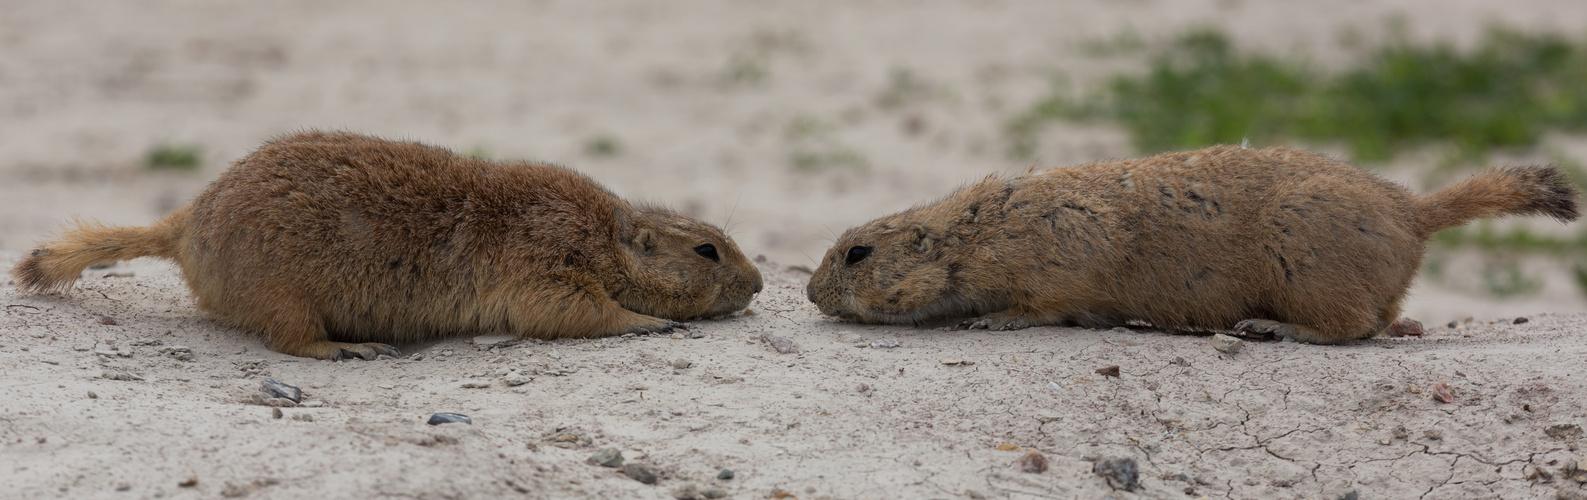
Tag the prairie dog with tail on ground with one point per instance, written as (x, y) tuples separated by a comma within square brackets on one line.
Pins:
[(333, 245), (1271, 241)]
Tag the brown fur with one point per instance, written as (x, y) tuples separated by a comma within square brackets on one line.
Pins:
[(1273, 241), (322, 236)]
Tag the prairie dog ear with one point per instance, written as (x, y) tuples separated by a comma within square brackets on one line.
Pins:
[(921, 241), (644, 242)]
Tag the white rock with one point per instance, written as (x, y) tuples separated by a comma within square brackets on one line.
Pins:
[(1227, 344)]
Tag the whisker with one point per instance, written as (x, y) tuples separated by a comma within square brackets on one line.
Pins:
[(730, 213), (807, 256)]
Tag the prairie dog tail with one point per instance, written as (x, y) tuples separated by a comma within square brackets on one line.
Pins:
[(1533, 190), (56, 265)]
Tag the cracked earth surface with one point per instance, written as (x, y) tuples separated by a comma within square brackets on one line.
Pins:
[(1276, 420)]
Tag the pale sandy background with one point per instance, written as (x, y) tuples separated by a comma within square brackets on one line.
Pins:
[(710, 104)]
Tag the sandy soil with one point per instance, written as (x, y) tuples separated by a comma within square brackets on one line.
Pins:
[(789, 120)]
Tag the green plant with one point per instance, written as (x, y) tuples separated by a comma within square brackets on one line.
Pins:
[(602, 146), (1198, 90), (173, 157), (1503, 277), (827, 158)]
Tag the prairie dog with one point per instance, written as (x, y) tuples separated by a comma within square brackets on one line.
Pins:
[(332, 245), (1272, 241)]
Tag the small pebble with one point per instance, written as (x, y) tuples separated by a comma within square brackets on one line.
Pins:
[(516, 378), (1226, 344), (304, 417), (681, 363), (1442, 392), (181, 353), (609, 457), (640, 473), (782, 345), (92, 395), (1563, 431), (450, 418), (725, 475), (475, 384), (276, 413), (686, 492), (190, 482), (1033, 462), (1121, 473), (1406, 327), (1179, 361), (714, 493), (1109, 371), (117, 375), (696, 334), (1521, 320), (275, 389)]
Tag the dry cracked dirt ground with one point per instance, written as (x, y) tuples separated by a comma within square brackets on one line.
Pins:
[(123, 390)]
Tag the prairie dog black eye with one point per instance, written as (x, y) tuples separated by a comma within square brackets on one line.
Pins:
[(856, 254), (708, 251)]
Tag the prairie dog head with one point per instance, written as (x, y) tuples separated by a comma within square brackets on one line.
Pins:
[(914, 266), (685, 269)]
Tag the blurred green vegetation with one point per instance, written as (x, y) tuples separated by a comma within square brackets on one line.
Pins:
[(180, 157), (604, 145), (815, 149), (1504, 92), (1198, 90)]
